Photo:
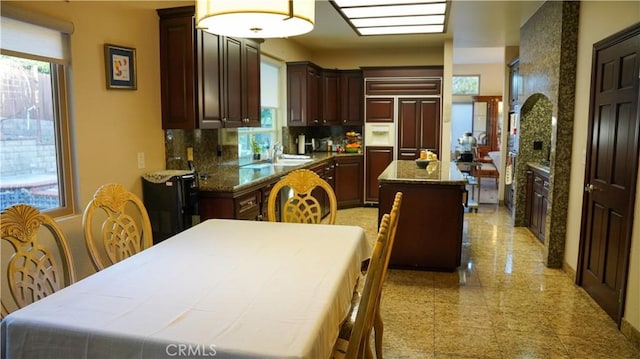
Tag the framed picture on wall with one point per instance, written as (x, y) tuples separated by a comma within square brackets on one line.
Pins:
[(120, 64)]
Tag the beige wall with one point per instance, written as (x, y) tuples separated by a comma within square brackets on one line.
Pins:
[(491, 76), (109, 126), (596, 23)]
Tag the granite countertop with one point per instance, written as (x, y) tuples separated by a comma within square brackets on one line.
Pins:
[(539, 167), (406, 171), (231, 178)]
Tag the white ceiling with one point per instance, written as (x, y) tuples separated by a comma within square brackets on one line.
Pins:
[(480, 29)]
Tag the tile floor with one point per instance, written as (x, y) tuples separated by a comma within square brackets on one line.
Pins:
[(501, 303)]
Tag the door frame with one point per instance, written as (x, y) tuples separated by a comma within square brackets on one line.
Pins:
[(618, 37)]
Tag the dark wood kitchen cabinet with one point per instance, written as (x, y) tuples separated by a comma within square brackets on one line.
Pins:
[(207, 81), (349, 181), (323, 97), (537, 190), (229, 205), (377, 159), (330, 113), (326, 171), (351, 97), (303, 94), (379, 109), (418, 126)]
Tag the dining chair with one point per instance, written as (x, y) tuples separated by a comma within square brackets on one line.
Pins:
[(33, 270), (126, 229), (353, 339), (302, 206), (378, 325)]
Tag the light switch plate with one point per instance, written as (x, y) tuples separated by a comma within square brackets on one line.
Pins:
[(141, 163), (189, 153)]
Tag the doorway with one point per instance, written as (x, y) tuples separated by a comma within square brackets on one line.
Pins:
[(611, 171)]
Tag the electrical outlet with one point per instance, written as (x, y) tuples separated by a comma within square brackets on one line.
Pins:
[(141, 164)]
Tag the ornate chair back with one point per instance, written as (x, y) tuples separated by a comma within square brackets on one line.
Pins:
[(302, 206), (126, 229), (33, 270)]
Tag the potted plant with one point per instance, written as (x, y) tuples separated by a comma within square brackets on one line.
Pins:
[(255, 147)]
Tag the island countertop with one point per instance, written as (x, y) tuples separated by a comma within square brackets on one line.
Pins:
[(406, 171)]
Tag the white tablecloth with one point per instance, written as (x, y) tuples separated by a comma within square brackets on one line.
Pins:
[(236, 289)]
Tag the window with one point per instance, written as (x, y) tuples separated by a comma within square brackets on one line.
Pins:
[(466, 85), (34, 122), (265, 136)]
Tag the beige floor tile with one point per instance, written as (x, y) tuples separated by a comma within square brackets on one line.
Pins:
[(531, 345), (476, 343), (595, 348), (462, 316)]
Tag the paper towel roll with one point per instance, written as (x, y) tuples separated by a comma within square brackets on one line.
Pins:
[(301, 144)]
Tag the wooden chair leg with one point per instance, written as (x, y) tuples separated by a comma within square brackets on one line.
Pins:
[(378, 327)]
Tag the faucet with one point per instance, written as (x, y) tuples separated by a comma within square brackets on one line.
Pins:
[(277, 151)]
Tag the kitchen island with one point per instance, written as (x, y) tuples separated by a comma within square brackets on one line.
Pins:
[(429, 234)]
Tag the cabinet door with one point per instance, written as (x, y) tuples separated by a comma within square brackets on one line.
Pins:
[(528, 197), (233, 64), (429, 125), (418, 126), (377, 159), (296, 95), (349, 181), (351, 98), (314, 98), (177, 72), (408, 128), (251, 81), (379, 109), (330, 97), (209, 80)]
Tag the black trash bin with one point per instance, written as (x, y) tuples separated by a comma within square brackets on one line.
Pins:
[(171, 199)]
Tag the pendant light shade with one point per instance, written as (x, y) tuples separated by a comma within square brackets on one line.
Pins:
[(255, 18)]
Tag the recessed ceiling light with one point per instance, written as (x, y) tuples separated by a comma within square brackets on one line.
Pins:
[(385, 17)]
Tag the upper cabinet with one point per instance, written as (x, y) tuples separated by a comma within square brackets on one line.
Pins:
[(207, 81), (322, 97)]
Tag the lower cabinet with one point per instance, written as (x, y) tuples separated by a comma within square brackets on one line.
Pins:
[(349, 172), (229, 205), (377, 158), (343, 173), (537, 187)]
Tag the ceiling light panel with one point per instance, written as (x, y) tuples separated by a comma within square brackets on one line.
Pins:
[(400, 20), (384, 17)]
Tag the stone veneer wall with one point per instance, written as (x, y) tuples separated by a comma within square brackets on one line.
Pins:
[(548, 58)]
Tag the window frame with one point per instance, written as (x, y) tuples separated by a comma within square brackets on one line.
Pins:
[(62, 129)]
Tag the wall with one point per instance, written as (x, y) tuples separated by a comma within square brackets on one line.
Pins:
[(599, 19), (491, 76), (548, 42), (109, 127)]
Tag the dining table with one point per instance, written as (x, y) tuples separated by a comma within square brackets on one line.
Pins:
[(223, 288)]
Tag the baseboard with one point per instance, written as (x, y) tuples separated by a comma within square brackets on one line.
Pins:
[(569, 270), (631, 333)]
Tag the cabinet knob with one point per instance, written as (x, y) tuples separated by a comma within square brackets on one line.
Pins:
[(224, 119)]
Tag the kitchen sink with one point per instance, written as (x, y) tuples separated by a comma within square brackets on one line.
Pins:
[(292, 161)]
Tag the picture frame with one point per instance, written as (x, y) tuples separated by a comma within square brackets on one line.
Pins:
[(120, 66)]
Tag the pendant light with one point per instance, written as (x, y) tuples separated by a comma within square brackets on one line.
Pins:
[(255, 18)]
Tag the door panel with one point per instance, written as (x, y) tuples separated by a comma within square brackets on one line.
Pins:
[(611, 171)]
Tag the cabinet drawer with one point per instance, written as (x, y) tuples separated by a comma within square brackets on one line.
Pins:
[(248, 205)]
